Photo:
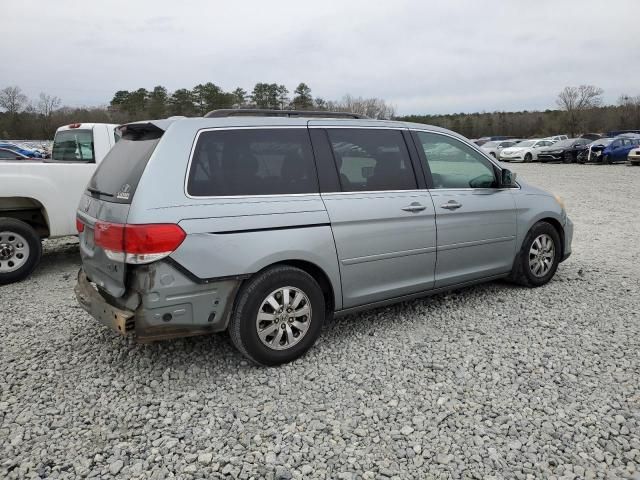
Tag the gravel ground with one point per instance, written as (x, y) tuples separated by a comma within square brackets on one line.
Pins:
[(489, 382)]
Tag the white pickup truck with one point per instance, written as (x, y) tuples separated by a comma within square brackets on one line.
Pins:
[(39, 198)]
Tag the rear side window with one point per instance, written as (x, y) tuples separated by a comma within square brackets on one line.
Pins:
[(276, 161), (118, 175), (73, 146), (371, 159)]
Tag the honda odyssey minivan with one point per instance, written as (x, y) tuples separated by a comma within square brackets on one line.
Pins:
[(265, 224)]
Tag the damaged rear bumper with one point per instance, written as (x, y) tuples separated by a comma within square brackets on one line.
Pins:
[(119, 320), (161, 302)]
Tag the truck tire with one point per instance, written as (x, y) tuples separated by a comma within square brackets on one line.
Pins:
[(20, 250), (278, 315)]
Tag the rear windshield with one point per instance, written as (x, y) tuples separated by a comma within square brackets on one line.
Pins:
[(118, 175), (73, 146)]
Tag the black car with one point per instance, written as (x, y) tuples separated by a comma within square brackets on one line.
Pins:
[(566, 151)]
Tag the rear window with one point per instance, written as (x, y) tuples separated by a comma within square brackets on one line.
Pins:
[(252, 162), (73, 146), (117, 176)]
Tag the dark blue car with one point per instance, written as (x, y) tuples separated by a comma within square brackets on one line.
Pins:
[(609, 150)]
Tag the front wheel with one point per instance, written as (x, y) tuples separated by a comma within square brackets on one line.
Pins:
[(20, 250), (539, 256), (528, 158), (278, 315)]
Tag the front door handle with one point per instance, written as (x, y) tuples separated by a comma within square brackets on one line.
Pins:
[(414, 207), (451, 205)]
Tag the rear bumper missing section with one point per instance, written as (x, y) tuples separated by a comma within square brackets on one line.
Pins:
[(161, 302), (121, 321)]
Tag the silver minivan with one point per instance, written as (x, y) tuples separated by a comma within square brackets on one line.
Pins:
[(265, 224)]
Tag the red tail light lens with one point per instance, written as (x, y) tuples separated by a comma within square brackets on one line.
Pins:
[(79, 226), (138, 243)]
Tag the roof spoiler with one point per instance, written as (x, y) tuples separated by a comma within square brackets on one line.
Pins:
[(260, 112)]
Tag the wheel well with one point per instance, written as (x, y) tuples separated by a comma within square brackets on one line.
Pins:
[(28, 210), (319, 276), (558, 226)]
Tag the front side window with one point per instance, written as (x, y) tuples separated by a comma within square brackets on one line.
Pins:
[(73, 146), (252, 162), (371, 159), (454, 164)]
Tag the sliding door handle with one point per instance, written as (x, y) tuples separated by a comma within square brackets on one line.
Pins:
[(451, 205), (414, 207)]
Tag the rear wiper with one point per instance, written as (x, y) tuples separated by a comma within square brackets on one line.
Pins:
[(95, 191)]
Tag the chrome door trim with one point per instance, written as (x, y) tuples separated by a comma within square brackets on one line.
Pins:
[(476, 242)]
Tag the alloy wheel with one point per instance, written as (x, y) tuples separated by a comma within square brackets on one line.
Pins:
[(284, 318), (542, 255)]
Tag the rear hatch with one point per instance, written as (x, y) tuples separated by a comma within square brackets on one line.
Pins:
[(104, 207)]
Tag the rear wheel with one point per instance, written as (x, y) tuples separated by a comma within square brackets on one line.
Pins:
[(278, 316), (528, 158), (20, 250), (539, 256)]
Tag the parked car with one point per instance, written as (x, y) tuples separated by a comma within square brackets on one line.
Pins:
[(563, 151), (524, 151), (481, 141), (495, 147), (557, 138), (25, 152), (265, 226), (6, 154), (38, 199), (634, 156), (608, 150)]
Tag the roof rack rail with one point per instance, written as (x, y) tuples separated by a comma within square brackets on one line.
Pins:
[(234, 112)]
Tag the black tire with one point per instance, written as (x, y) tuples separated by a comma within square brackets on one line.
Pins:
[(606, 159), (243, 328), (528, 158), (8, 254), (522, 273)]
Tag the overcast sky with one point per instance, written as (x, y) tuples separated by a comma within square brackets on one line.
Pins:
[(422, 56)]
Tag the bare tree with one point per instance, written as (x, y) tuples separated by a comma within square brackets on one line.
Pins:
[(369, 107), (576, 100), (12, 100), (47, 104)]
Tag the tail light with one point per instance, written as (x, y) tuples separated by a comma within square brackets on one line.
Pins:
[(137, 244), (79, 225)]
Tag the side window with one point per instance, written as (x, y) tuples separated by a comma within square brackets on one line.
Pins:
[(252, 162), (454, 164), (371, 159), (7, 155)]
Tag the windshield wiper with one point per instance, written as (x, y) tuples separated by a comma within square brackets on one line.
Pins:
[(95, 191)]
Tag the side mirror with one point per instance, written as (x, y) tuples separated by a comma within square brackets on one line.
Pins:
[(507, 179)]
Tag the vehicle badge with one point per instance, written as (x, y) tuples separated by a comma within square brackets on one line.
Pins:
[(125, 192)]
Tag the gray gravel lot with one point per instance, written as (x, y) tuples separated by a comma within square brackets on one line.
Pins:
[(494, 381)]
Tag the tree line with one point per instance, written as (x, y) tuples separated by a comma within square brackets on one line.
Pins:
[(580, 110)]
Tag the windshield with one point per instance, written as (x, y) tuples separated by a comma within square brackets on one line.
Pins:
[(490, 145), (526, 143), (73, 146)]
